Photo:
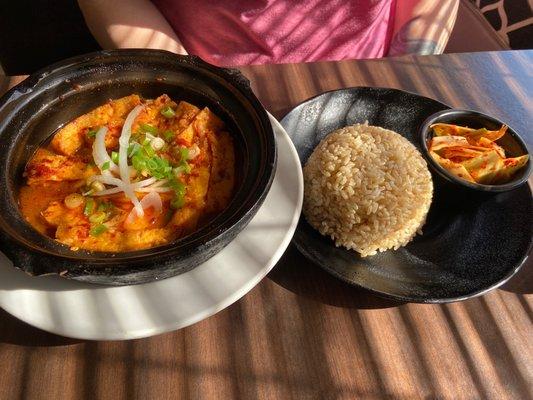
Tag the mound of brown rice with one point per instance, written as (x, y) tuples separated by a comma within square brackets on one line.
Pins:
[(367, 188)]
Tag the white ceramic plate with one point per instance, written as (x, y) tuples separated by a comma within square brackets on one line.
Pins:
[(87, 311)]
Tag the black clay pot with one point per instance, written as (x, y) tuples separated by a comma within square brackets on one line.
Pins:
[(36, 108)]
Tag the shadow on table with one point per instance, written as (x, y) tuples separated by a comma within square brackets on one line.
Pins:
[(522, 282), (14, 331), (304, 278)]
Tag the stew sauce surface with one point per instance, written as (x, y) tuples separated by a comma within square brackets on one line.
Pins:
[(180, 165)]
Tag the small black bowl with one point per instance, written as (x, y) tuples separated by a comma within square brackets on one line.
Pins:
[(36, 108), (511, 142)]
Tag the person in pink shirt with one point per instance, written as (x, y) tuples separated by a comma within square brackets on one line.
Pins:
[(233, 33)]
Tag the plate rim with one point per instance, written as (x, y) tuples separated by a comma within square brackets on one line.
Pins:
[(211, 309), (433, 300), (308, 100), (429, 300)]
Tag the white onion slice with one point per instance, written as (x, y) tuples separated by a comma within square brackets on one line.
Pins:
[(150, 200), (160, 182), (150, 189), (107, 192), (145, 182), (156, 187), (134, 186), (124, 142), (107, 179), (111, 180), (100, 155)]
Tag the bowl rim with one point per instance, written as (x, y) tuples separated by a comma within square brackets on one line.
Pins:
[(423, 136), (100, 260)]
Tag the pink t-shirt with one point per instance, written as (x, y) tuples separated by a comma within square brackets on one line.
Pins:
[(242, 32)]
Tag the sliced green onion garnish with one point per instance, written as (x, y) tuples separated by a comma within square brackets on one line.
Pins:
[(168, 112), (169, 135), (182, 169), (148, 163), (104, 206), (149, 128), (138, 162), (98, 230), (184, 153), (168, 216), (114, 157), (152, 164), (179, 189), (92, 133), (89, 206), (133, 148), (177, 202), (97, 217), (106, 165), (149, 150)]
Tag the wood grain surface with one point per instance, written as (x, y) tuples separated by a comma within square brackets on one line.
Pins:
[(300, 333)]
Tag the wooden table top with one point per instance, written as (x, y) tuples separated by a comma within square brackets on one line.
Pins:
[(300, 333)]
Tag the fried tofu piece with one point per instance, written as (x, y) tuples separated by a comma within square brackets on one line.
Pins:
[(185, 113), (70, 138), (48, 166), (122, 107), (185, 137), (77, 233), (198, 185), (73, 228), (210, 186), (54, 213), (149, 220), (222, 178), (74, 237), (205, 121), (33, 200), (151, 113), (186, 218), (136, 240)]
